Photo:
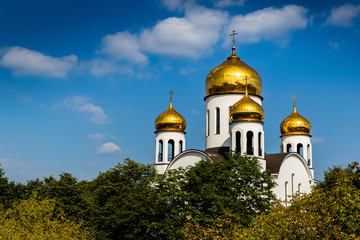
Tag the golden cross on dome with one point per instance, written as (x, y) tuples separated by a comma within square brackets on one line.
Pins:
[(171, 93), (294, 97), (233, 35)]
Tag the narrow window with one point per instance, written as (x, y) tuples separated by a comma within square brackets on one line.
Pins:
[(299, 187), (300, 149), (238, 142), (217, 120), (180, 146), (170, 150), (160, 157), (260, 147), (292, 184), (308, 153), (207, 122), (288, 148), (229, 117), (249, 143)]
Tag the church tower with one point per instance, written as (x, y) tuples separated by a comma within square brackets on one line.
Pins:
[(226, 85), (170, 137), (295, 135), (246, 129)]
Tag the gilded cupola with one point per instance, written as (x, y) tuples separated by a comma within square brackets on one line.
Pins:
[(295, 124), (246, 109), (170, 120), (229, 77)]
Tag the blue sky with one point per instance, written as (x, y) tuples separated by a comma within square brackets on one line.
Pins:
[(81, 82)]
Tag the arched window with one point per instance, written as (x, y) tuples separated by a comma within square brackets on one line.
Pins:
[(260, 147), (292, 183), (308, 153), (288, 148), (161, 148), (299, 187), (300, 149), (207, 122), (170, 150), (180, 146), (229, 117), (249, 143), (217, 121), (238, 142)]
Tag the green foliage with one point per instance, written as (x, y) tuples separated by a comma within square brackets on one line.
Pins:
[(235, 189), (121, 201), (34, 219), (330, 211)]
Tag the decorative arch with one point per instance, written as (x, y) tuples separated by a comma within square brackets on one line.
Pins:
[(249, 143)]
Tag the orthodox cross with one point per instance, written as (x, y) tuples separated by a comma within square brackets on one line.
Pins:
[(233, 35), (171, 93), (294, 97)]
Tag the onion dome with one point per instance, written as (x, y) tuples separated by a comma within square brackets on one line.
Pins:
[(170, 120), (246, 109), (295, 124), (229, 77)]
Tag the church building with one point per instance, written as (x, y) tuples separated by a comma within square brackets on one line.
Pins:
[(234, 122)]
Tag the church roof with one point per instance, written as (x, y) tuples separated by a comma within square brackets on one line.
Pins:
[(218, 153), (273, 161)]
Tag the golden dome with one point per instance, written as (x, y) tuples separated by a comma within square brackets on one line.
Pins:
[(170, 120), (295, 124), (246, 109), (229, 77)]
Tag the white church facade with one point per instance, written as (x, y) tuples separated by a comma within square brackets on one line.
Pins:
[(234, 122)]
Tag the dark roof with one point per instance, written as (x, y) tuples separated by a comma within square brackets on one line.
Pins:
[(218, 153), (273, 161)]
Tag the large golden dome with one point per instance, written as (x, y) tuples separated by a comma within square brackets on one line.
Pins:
[(229, 77), (246, 109), (170, 120), (295, 124)]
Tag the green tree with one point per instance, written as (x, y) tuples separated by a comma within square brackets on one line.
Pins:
[(121, 201), (235, 189), (34, 219), (330, 211)]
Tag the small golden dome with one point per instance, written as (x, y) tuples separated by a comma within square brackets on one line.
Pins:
[(295, 124), (246, 109), (170, 120), (229, 77)]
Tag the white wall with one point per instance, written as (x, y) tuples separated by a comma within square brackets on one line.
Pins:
[(187, 158), (294, 140)]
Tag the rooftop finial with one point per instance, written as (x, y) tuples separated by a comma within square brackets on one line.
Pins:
[(233, 46), (294, 97), (171, 93)]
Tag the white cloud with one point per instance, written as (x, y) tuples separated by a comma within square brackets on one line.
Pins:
[(318, 139), (334, 45), (191, 36), (96, 136), (25, 62), (23, 169), (229, 3), (173, 4), (108, 148), (269, 24), (82, 105), (123, 46), (343, 15), (100, 67)]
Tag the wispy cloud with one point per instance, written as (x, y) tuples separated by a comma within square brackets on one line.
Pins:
[(108, 148), (318, 139), (25, 62), (101, 67), (123, 45), (24, 170), (270, 24), (343, 16), (82, 104), (96, 136), (229, 3), (173, 4)]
